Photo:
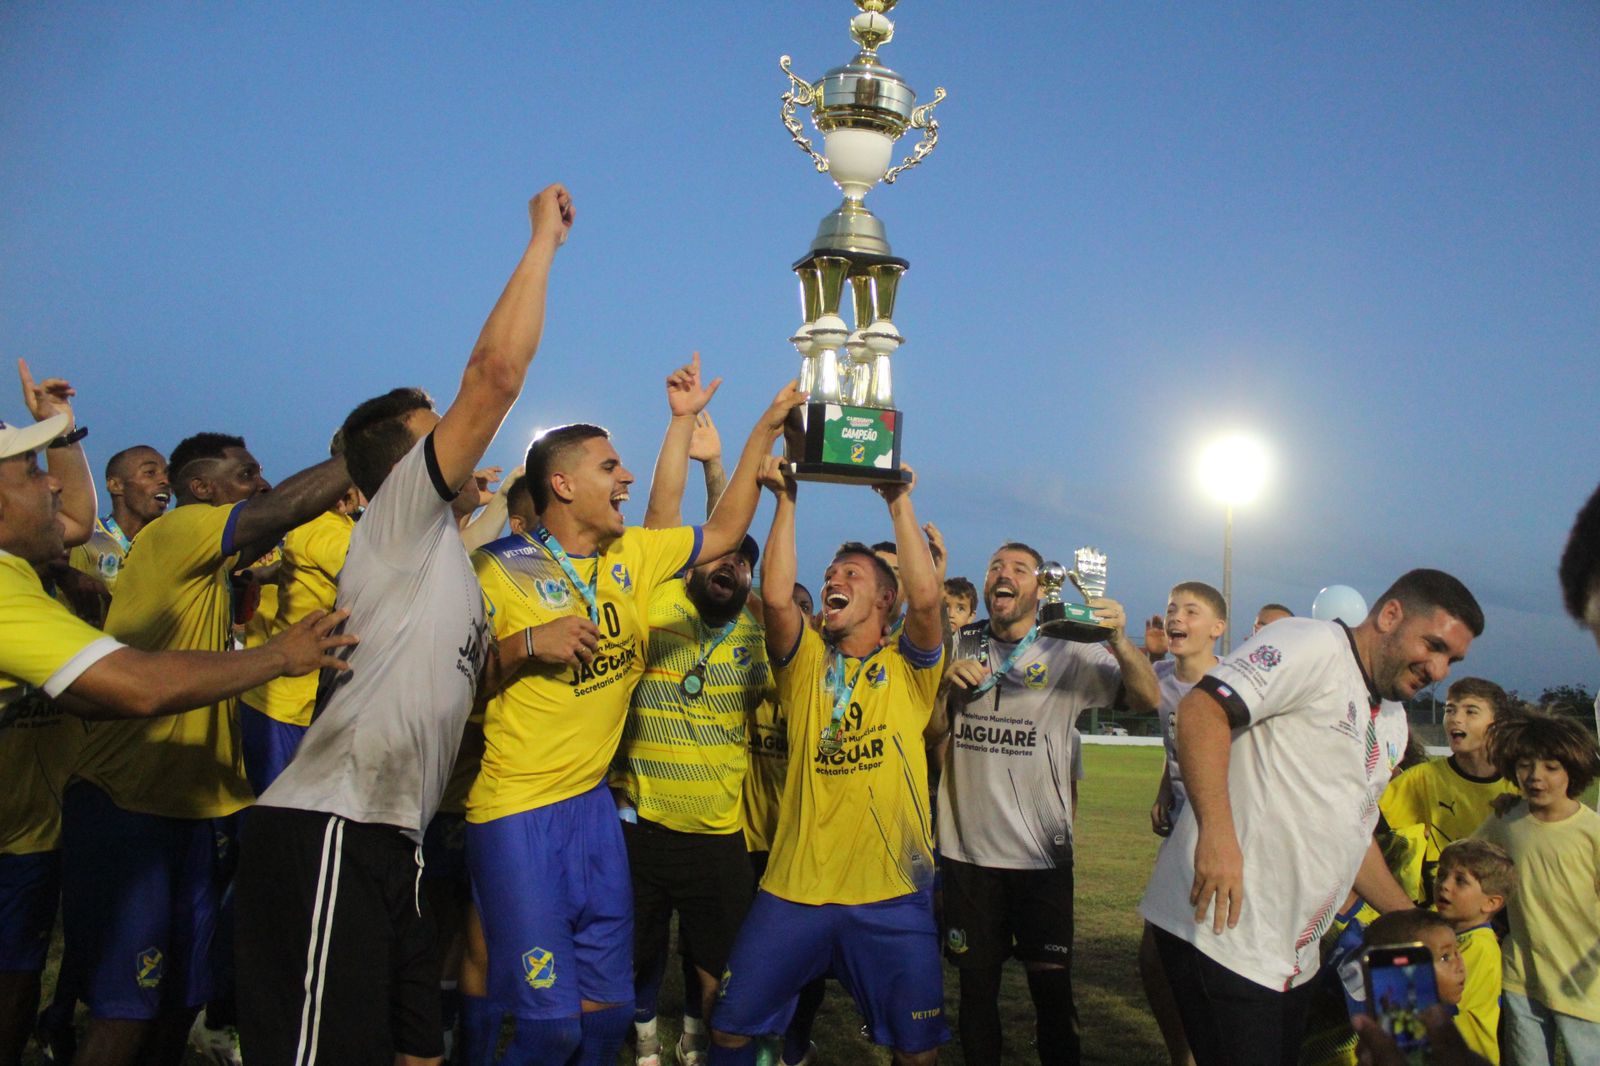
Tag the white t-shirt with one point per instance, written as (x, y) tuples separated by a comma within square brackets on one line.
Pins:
[(1006, 798), (385, 735), (1313, 748), (1172, 693)]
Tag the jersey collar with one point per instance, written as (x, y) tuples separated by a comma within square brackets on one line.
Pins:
[(1372, 690)]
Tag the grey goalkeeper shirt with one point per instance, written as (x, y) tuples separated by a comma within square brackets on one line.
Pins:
[(385, 735)]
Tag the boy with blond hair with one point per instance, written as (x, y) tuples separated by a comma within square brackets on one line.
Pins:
[(1475, 879)]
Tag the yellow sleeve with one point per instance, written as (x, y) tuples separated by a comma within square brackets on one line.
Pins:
[(655, 555), (194, 539), (796, 679), (1405, 801), (494, 587), (38, 636), (323, 545), (1478, 1014)]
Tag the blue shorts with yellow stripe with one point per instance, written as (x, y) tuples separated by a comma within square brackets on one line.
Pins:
[(553, 891), (886, 954)]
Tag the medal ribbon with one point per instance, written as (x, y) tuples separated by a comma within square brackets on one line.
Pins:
[(589, 590), (722, 634), (842, 693), (109, 524), (1011, 660)]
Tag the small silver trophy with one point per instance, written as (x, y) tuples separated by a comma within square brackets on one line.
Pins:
[(1073, 621)]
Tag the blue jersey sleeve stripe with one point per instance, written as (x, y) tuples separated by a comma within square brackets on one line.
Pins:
[(694, 552), (228, 529), (920, 658), (786, 658)]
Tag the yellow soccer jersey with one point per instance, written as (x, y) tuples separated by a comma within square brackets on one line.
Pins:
[(682, 761), (1478, 1015), (173, 594), (768, 731), (313, 555), (43, 649), (1447, 803), (854, 826), (101, 555), (550, 734)]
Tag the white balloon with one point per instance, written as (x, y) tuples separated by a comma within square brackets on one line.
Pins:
[(1341, 603)]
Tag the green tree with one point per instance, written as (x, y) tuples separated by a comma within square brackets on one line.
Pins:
[(1574, 701)]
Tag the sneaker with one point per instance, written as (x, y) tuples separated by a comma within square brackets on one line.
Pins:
[(688, 1056), (216, 1047), (652, 1059), (808, 1059)]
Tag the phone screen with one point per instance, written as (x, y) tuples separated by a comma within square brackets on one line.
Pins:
[(1400, 986)]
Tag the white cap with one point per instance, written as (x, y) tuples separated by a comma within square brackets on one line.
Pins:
[(20, 440)]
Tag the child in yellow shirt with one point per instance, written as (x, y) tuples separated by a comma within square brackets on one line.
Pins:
[(1475, 879)]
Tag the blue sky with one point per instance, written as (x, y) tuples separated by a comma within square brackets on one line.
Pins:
[(1366, 233)]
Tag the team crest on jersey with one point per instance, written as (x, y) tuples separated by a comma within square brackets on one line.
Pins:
[(1266, 656), (619, 574), (722, 985), (148, 967), (109, 565), (539, 968), (741, 656), (553, 593), (1036, 675), (877, 676), (956, 941), (1350, 714)]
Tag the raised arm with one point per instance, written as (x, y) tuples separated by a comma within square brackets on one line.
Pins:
[(920, 586), (264, 519), (784, 620), (476, 532), (499, 363), (686, 399), (68, 465), (705, 448), (1205, 742), (731, 519), (130, 683), (1139, 685)]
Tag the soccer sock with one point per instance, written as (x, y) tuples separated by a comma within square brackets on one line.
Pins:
[(730, 1056), (797, 1038), (602, 1032), (646, 993), (694, 1028), (646, 1040), (980, 1014), (691, 989), (543, 1040), (480, 1031), (449, 1004), (1057, 1027)]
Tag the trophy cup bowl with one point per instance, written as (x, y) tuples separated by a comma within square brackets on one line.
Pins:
[(1069, 621)]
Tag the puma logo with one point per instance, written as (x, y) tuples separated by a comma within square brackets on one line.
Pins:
[(1451, 807)]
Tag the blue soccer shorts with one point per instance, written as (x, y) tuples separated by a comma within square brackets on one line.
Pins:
[(552, 889), (267, 745), (140, 895), (30, 885), (886, 954)]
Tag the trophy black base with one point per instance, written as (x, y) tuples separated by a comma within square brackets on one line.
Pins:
[(846, 444), (1072, 621)]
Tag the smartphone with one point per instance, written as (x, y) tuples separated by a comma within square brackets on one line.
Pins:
[(1400, 986)]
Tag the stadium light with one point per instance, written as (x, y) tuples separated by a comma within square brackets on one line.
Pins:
[(1233, 471)]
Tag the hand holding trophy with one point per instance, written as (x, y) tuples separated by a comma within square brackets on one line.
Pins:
[(850, 430), (1074, 621)]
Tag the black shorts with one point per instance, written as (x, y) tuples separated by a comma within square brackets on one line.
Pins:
[(334, 949), (991, 914), (705, 877)]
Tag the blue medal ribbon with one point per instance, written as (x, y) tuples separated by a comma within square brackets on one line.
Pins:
[(1011, 660), (109, 524), (589, 591), (841, 692)]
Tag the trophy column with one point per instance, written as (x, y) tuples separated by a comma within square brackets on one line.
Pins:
[(850, 430)]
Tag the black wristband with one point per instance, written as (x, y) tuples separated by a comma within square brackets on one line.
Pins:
[(67, 440)]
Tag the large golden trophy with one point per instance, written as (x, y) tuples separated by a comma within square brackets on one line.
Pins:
[(850, 429)]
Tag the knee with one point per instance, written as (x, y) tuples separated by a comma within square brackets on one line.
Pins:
[(916, 1058), (732, 1041)]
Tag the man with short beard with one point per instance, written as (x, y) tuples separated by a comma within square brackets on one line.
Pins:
[(136, 481), (1005, 808), (1285, 748)]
